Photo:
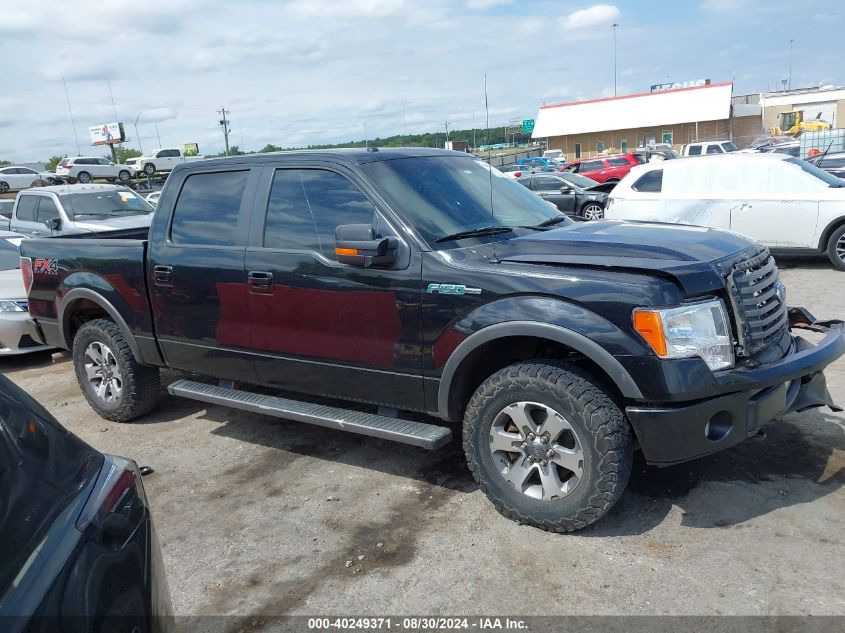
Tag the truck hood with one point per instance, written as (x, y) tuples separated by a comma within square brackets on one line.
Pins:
[(114, 224), (689, 254), (11, 285)]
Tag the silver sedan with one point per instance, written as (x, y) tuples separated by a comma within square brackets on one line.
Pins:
[(13, 303)]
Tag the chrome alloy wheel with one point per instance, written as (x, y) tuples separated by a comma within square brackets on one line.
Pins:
[(536, 450), (103, 372)]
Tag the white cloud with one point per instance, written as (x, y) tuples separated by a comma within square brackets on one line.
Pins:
[(598, 15), (345, 8), (724, 6), (486, 4)]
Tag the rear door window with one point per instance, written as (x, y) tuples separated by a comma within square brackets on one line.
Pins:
[(591, 165), (26, 208), (714, 149), (695, 150), (207, 210)]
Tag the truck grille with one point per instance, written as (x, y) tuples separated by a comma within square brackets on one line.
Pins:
[(759, 302)]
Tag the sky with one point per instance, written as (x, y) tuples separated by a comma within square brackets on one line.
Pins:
[(299, 72)]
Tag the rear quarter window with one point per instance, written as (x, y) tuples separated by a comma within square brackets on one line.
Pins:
[(695, 150), (651, 182), (207, 210)]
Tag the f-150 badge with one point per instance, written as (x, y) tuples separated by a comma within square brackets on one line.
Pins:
[(452, 289)]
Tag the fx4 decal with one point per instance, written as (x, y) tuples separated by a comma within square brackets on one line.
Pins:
[(45, 266), (452, 289)]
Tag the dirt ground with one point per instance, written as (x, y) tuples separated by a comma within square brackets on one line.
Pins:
[(263, 515)]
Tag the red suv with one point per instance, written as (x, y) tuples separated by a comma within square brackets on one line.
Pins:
[(605, 168)]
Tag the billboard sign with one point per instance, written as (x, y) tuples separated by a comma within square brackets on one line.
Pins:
[(107, 134), (191, 149), (674, 85)]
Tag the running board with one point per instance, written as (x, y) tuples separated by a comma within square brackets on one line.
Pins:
[(415, 433)]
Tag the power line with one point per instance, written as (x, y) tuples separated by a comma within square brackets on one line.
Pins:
[(72, 122)]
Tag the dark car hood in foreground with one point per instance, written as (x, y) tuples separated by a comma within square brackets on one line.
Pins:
[(687, 253)]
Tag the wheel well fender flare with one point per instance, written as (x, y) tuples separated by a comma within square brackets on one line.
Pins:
[(84, 293), (580, 343), (828, 231)]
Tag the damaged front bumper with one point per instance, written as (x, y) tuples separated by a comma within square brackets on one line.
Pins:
[(673, 434)]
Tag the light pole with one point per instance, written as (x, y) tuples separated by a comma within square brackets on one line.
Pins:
[(614, 25), (366, 145), (138, 136), (789, 74)]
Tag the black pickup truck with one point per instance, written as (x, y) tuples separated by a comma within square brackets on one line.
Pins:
[(399, 292)]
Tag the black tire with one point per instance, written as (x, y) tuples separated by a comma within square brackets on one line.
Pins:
[(140, 385), (83, 177), (149, 169), (836, 248), (4, 187), (602, 434), (124, 175)]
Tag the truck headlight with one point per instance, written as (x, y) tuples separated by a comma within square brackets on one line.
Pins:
[(698, 329), (9, 306)]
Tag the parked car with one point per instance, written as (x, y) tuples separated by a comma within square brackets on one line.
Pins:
[(536, 162), (64, 210), (605, 168), (422, 280), (78, 544), (15, 178), (158, 161), (554, 155), (516, 171), (84, 169), (152, 198), (784, 202), (767, 139), (702, 148), (14, 338), (833, 163), (6, 207), (574, 195)]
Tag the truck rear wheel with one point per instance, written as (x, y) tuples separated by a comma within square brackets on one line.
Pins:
[(116, 385), (836, 248), (149, 169), (547, 445)]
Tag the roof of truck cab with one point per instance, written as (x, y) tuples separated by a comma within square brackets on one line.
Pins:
[(71, 189), (354, 155)]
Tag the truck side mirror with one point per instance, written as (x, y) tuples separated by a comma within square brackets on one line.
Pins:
[(358, 245), (54, 224)]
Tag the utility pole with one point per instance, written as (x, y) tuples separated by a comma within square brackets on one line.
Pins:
[(473, 131), (446, 123), (789, 75), (158, 136), (225, 123), (614, 25), (72, 122), (366, 144)]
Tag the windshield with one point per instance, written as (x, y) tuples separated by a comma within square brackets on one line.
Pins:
[(444, 195), (104, 204), (829, 179), (582, 182)]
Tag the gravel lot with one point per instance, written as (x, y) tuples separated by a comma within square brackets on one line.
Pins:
[(262, 515)]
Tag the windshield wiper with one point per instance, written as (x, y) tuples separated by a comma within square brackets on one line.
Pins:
[(479, 232), (552, 221)]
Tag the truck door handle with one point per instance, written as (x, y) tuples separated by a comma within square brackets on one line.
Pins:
[(744, 206), (163, 275), (260, 280)]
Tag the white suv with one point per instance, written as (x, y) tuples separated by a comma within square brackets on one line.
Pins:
[(712, 147), (85, 168)]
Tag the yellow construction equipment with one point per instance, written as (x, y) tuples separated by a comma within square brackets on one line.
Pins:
[(792, 123)]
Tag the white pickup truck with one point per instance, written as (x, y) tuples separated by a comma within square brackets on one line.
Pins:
[(159, 160)]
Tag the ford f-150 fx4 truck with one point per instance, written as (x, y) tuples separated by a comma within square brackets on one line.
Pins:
[(398, 292)]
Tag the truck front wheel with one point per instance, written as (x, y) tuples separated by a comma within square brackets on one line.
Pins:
[(547, 445), (149, 169), (116, 385)]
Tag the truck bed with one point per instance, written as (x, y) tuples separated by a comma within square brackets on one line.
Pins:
[(65, 270)]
